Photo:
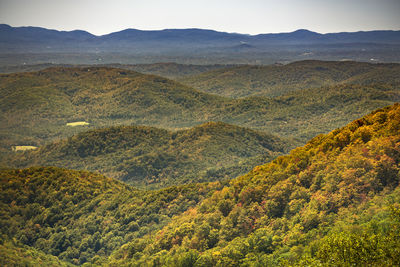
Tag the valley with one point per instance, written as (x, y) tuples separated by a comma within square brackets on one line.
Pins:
[(278, 80), (304, 208), (43, 102), (200, 168), (297, 209), (148, 157), (200, 133)]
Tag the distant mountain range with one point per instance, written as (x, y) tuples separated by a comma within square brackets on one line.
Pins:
[(21, 35), (186, 44)]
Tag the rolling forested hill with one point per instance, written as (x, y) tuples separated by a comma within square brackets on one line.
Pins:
[(151, 157), (306, 113), (275, 80), (168, 164), (167, 69), (81, 216), (170, 70), (36, 106), (333, 201)]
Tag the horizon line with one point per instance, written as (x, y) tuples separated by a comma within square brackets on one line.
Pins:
[(194, 28)]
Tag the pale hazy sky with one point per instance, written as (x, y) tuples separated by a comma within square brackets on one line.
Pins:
[(242, 16)]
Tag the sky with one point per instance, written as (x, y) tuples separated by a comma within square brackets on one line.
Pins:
[(241, 16)]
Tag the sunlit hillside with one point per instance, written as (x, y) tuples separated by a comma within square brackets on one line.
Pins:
[(332, 201)]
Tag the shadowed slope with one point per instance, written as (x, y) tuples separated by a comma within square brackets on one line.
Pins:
[(151, 157), (275, 80)]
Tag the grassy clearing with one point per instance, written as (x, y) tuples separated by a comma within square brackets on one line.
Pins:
[(23, 148), (77, 123)]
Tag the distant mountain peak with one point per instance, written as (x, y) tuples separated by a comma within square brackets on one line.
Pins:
[(5, 26), (304, 32)]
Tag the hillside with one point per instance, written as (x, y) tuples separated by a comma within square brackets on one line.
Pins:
[(36, 106), (332, 202), (165, 69), (170, 70), (327, 203), (80, 216), (309, 112), (13, 253), (276, 80), (152, 158)]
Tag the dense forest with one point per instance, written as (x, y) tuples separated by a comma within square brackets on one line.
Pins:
[(36, 106), (333, 202), (169, 70), (198, 166), (200, 133), (275, 80), (153, 158), (80, 216)]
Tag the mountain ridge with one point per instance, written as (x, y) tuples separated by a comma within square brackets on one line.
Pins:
[(191, 45), (322, 204), (274, 80), (149, 157), (36, 106), (300, 32)]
